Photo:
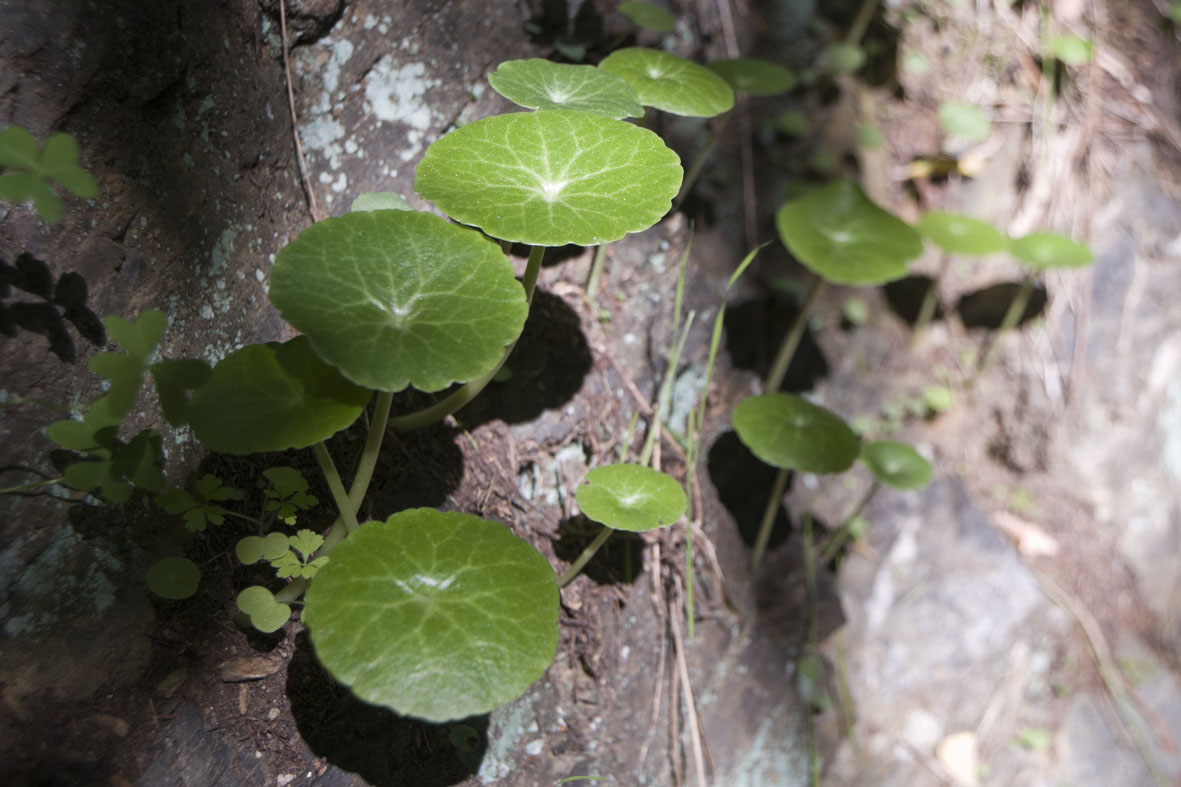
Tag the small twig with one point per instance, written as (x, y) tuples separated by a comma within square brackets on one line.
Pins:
[(658, 602), (695, 738), (313, 208)]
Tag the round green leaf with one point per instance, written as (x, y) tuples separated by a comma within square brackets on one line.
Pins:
[(964, 121), (842, 58), (631, 497), (266, 614), (896, 464), (252, 549), (671, 83), (962, 234), (1071, 50), (844, 238), (394, 298), (435, 615), (272, 397), (542, 84), (19, 149), (551, 178), (174, 577), (754, 76), (791, 433), (648, 16), (1043, 250)]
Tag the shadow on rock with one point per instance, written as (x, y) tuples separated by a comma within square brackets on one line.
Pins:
[(416, 469), (618, 561), (743, 481), (385, 749), (545, 370), (554, 255), (754, 331), (986, 308), (905, 298)]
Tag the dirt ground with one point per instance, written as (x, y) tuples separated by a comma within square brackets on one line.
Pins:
[(1017, 622)]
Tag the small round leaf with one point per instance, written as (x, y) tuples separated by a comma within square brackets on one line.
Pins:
[(791, 433), (395, 298), (843, 237), (631, 497), (435, 615), (962, 234), (896, 464), (1071, 50), (266, 614), (754, 76), (174, 577), (272, 397), (551, 178), (964, 121), (842, 58), (1043, 250), (252, 549), (648, 16), (671, 83), (542, 84)]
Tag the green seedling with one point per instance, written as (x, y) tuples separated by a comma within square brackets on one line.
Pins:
[(648, 17), (1038, 252), (202, 509), (28, 171), (791, 433), (174, 578), (1070, 50), (287, 493), (953, 234), (625, 497), (542, 84), (893, 464)]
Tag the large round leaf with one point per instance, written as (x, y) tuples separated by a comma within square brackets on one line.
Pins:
[(671, 83), (551, 178), (272, 397), (791, 433), (1043, 250), (631, 497), (395, 298), (435, 615), (896, 464), (843, 237), (754, 76), (962, 234), (542, 84)]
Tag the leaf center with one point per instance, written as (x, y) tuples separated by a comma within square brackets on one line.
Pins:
[(551, 190)]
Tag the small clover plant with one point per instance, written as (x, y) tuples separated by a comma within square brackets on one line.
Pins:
[(29, 171)]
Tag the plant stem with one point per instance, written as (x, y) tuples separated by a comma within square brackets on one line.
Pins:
[(930, 300), (674, 359), (813, 640), (695, 170), (31, 485), (777, 490), (364, 474), (861, 22), (596, 271), (792, 340), (1012, 316), (584, 558), (445, 407), (841, 535), (343, 504)]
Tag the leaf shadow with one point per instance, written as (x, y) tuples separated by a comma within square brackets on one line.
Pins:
[(985, 308), (618, 561), (905, 298), (547, 368), (383, 747), (754, 331), (742, 481), (61, 304)]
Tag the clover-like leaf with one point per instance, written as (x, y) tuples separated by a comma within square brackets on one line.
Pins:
[(305, 542), (266, 614), (543, 84), (551, 178), (435, 615), (896, 464), (791, 433), (252, 549), (174, 577), (19, 149), (670, 83), (966, 122), (380, 200), (272, 397), (59, 161), (287, 493), (1042, 250), (397, 298), (754, 76), (962, 234), (631, 497), (648, 16), (843, 237)]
